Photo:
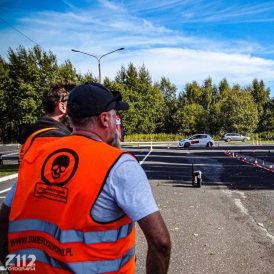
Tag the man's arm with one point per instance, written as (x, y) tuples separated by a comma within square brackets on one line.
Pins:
[(4, 223), (158, 241)]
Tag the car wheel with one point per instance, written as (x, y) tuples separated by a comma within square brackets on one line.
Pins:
[(244, 140), (228, 139), (209, 144), (187, 145)]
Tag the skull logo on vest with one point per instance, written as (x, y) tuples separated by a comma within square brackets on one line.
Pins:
[(59, 166)]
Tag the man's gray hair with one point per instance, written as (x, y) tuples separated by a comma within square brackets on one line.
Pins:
[(83, 123), (116, 141)]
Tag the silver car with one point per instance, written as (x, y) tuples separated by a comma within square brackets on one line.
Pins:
[(235, 137)]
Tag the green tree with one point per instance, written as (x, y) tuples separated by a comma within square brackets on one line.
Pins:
[(261, 96), (3, 105), (86, 78), (144, 97), (154, 107), (209, 95), (238, 112), (190, 119), (169, 92), (224, 89), (214, 124), (208, 91), (193, 93), (267, 119), (66, 72)]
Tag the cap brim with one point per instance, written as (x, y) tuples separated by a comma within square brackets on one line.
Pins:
[(122, 105)]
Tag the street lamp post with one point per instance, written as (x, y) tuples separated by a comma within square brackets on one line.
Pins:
[(98, 59)]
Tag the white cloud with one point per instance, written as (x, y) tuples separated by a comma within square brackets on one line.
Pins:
[(183, 66), (109, 5)]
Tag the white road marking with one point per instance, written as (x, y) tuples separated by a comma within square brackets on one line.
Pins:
[(5, 190), (13, 153), (239, 204), (265, 230), (9, 177), (145, 158), (3, 179)]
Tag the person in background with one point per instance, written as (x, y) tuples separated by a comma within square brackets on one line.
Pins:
[(54, 123), (78, 198)]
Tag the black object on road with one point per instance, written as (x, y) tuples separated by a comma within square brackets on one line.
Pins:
[(196, 177)]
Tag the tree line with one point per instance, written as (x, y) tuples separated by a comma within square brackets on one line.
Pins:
[(155, 106)]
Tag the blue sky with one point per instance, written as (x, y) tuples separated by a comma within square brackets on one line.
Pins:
[(183, 40)]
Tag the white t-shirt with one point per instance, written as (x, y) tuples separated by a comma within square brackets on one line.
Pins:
[(126, 190)]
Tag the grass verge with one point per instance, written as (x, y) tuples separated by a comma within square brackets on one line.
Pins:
[(8, 170)]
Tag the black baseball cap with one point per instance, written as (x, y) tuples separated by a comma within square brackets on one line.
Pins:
[(92, 99)]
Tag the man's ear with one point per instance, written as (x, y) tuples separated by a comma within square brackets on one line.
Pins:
[(104, 119), (62, 107)]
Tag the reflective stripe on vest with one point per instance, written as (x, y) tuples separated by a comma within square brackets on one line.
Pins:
[(86, 267), (68, 236)]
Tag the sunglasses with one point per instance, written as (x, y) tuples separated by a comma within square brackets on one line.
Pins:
[(117, 97)]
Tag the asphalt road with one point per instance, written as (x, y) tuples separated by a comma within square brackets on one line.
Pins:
[(227, 225), (9, 153)]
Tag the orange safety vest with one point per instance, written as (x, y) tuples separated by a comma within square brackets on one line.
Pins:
[(50, 216), (26, 146)]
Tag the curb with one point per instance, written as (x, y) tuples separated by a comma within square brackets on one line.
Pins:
[(12, 176)]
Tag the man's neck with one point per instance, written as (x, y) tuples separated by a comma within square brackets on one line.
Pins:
[(90, 134), (54, 117)]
